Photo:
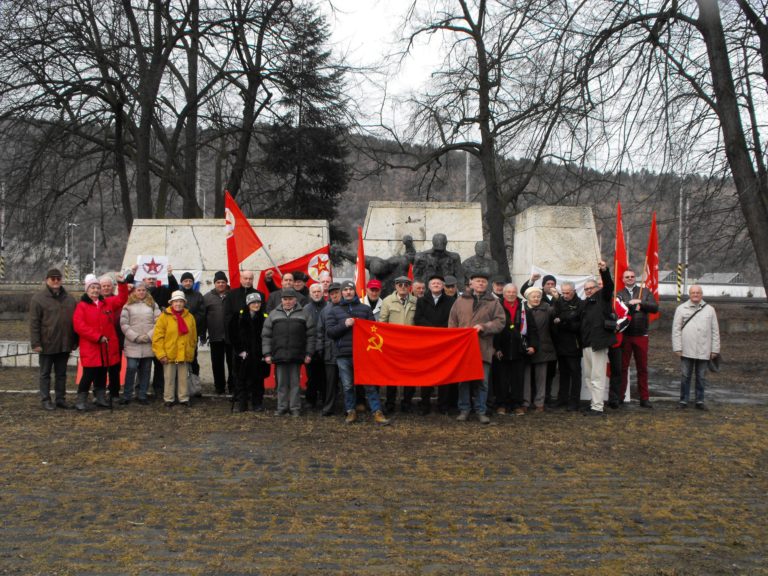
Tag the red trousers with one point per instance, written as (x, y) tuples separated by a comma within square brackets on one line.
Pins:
[(636, 346)]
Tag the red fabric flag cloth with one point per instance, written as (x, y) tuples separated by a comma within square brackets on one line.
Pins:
[(312, 264), (651, 271), (396, 355), (410, 272), (242, 240), (360, 265), (620, 260)]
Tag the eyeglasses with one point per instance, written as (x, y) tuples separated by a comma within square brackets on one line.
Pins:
[(590, 288)]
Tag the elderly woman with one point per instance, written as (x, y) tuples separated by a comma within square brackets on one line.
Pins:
[(137, 321), (247, 344), (512, 347), (95, 325), (543, 315), (173, 342)]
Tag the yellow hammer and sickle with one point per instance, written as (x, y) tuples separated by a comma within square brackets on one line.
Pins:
[(375, 342)]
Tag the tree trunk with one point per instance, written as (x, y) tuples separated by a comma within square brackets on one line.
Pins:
[(753, 196), (191, 207)]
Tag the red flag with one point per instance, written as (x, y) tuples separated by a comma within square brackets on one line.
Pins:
[(384, 354), (620, 261), (242, 240), (360, 265), (410, 272), (312, 264), (651, 271)]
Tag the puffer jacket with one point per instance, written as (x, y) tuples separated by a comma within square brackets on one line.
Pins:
[(289, 336), (92, 321), (701, 336), (50, 321), (336, 328), (136, 320), (168, 343), (542, 315), (486, 310)]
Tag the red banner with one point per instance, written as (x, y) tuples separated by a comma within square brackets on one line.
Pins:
[(396, 355), (620, 260), (651, 271), (242, 240), (360, 265), (312, 264)]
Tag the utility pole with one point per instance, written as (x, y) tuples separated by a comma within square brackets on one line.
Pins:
[(2, 230), (680, 246), (94, 251), (466, 178)]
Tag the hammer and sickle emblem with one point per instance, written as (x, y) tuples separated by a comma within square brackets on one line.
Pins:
[(375, 342)]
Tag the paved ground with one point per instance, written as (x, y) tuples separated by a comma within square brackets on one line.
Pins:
[(147, 490)]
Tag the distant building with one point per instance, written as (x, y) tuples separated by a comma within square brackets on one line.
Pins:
[(714, 284)]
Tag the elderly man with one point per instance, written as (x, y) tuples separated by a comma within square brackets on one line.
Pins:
[(275, 296), (327, 347), (315, 392), (217, 335), (340, 325), (288, 340), (418, 288), (52, 336), (451, 287), (433, 310), (372, 297), (481, 311), (696, 341), (567, 324), (635, 338), (399, 308), (597, 335)]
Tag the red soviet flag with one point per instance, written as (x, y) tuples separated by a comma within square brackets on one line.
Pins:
[(651, 271), (242, 240), (312, 264), (620, 260), (360, 265), (395, 355)]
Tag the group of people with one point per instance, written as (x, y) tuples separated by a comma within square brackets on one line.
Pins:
[(526, 337)]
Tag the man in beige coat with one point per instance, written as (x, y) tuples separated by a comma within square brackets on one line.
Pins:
[(696, 340), (399, 308), (477, 308)]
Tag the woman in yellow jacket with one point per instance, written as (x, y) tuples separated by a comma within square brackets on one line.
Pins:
[(173, 342)]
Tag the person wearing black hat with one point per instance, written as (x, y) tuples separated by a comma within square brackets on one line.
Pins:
[(288, 340), (451, 287), (216, 334), (52, 336), (325, 346), (433, 310), (399, 308), (196, 306)]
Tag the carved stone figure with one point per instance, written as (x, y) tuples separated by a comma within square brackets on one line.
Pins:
[(437, 260), (479, 263), (386, 269)]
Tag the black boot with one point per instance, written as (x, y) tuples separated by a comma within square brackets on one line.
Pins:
[(101, 399), (82, 397)]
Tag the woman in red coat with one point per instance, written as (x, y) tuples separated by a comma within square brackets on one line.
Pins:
[(94, 322)]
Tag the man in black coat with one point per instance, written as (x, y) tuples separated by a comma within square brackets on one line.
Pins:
[(433, 310), (598, 334), (566, 334), (196, 306)]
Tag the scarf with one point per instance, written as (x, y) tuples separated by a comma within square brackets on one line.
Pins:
[(180, 322)]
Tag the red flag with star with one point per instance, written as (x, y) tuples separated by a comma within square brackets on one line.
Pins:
[(313, 265), (242, 240)]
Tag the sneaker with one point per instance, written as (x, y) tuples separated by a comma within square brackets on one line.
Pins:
[(520, 411), (379, 418), (501, 411), (702, 406), (483, 419), (462, 417), (48, 405), (646, 404), (682, 405), (351, 417)]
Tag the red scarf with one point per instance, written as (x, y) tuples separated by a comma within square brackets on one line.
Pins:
[(512, 309), (180, 322)]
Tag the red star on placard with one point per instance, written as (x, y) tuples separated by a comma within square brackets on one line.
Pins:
[(321, 266), (153, 268)]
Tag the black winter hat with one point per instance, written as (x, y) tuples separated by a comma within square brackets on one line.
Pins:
[(220, 276), (189, 276), (547, 278)]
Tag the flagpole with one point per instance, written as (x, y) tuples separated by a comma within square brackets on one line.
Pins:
[(272, 260)]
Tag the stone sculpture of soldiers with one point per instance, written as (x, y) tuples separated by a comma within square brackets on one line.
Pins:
[(437, 261), (479, 263)]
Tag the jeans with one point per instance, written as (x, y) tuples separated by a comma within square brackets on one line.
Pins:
[(346, 375), (465, 390), (57, 363), (141, 367), (689, 365)]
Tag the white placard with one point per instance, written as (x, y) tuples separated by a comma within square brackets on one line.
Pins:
[(152, 267)]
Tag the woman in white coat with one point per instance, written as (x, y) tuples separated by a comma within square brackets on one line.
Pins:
[(137, 321), (696, 340)]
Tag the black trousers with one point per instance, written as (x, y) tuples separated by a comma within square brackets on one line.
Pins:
[(250, 388), (570, 380), (92, 375), (494, 398), (332, 391), (408, 393), (158, 378), (551, 369), (315, 392), (447, 397), (509, 392), (614, 386), (58, 364), (113, 372), (221, 352)]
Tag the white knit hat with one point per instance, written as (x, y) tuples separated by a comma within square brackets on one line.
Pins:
[(90, 279)]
